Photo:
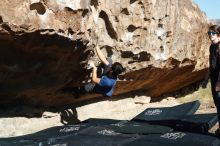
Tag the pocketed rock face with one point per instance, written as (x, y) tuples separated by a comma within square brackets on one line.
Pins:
[(45, 45)]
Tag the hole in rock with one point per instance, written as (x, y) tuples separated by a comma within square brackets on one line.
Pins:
[(94, 3), (112, 33), (1, 20), (132, 1), (39, 7), (125, 11), (132, 28)]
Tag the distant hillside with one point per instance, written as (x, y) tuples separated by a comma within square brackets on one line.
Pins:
[(215, 21)]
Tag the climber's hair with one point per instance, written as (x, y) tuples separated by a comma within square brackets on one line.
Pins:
[(215, 28), (117, 68)]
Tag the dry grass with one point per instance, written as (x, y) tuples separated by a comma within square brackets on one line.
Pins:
[(203, 95)]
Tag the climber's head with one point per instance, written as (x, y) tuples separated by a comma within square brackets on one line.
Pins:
[(115, 70)]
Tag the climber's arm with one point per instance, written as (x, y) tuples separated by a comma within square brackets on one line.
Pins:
[(101, 55), (95, 79)]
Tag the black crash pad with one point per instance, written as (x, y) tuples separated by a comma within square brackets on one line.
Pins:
[(85, 140), (44, 135), (98, 136), (168, 113), (100, 122), (175, 139), (199, 123), (102, 131), (130, 127)]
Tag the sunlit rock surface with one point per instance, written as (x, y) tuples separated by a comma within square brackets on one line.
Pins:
[(45, 45)]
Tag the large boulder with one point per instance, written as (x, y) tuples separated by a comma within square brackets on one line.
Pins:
[(45, 46)]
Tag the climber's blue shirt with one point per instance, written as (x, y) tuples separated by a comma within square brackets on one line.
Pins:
[(106, 84)]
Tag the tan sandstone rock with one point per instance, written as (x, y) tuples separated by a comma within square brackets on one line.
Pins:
[(45, 45)]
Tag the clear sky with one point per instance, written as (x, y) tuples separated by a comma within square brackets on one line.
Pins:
[(210, 7)]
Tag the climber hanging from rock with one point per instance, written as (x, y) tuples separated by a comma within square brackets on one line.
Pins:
[(103, 84)]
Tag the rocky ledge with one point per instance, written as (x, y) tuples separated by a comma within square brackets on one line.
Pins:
[(45, 45)]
